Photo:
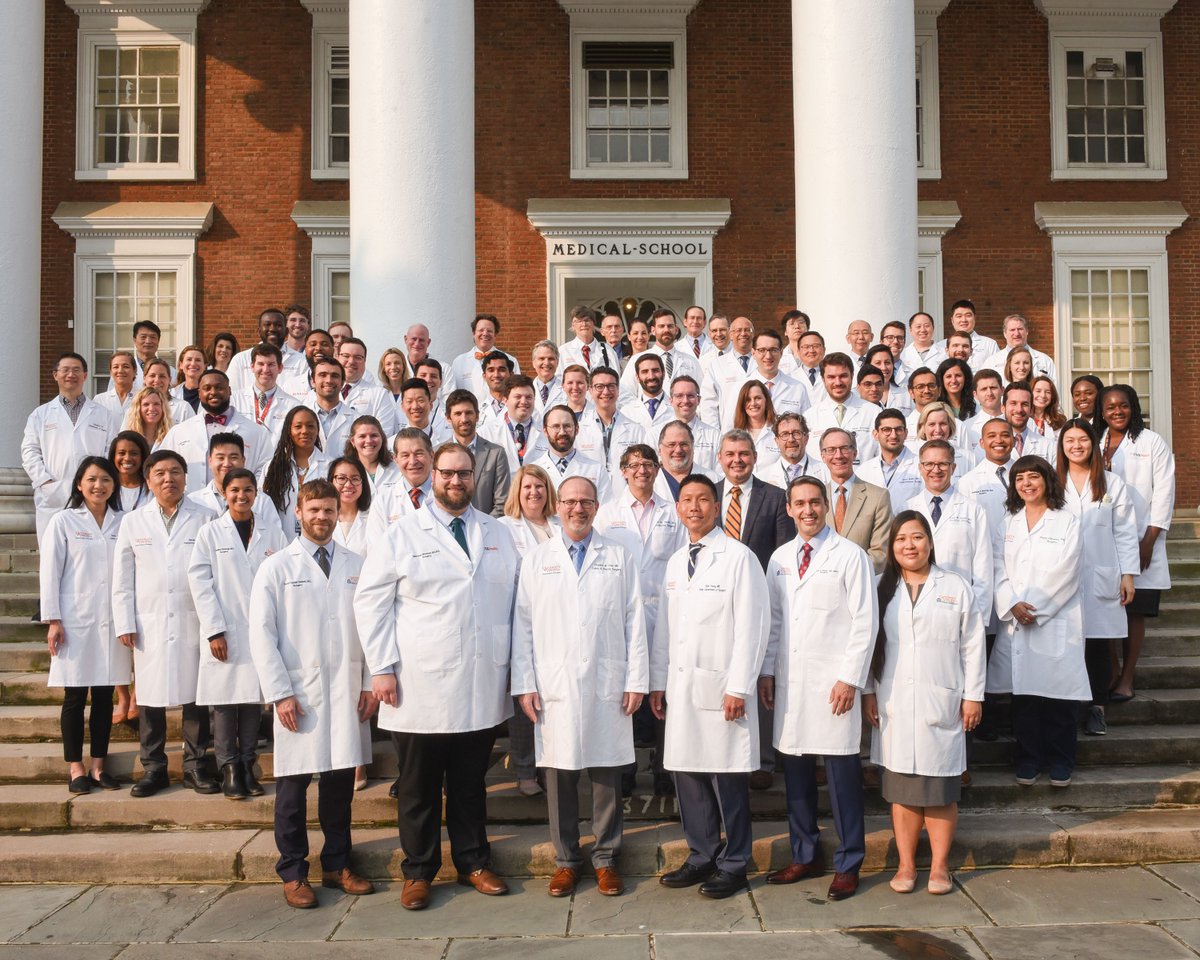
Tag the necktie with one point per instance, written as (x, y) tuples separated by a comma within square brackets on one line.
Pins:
[(804, 560), (839, 509), (693, 553), (696, 348), (1000, 475), (812, 375), (587, 360), (669, 361), (1020, 443), (211, 418), (546, 389), (841, 412), (262, 397), (936, 512), (770, 385), (733, 515), (479, 356), (576, 550), (652, 404), (793, 471), (458, 528), (745, 362), (562, 466), (415, 496), (345, 391), (322, 558), (519, 430)]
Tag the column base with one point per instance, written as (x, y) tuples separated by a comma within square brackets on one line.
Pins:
[(16, 501)]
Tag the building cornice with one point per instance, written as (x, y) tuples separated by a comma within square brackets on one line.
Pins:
[(1084, 219), (137, 8), (322, 218), (936, 218), (648, 8), (327, 6), (132, 219), (574, 218), (1105, 15)]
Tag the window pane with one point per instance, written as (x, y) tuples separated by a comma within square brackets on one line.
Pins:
[(597, 148), (339, 283), (1074, 63), (169, 150), (106, 62), (639, 147), (628, 116), (660, 148), (619, 149), (132, 104)]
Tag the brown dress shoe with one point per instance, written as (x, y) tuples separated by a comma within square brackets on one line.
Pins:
[(415, 895), (347, 881), (609, 882), (844, 885), (485, 881), (762, 780), (299, 894), (562, 884), (795, 872)]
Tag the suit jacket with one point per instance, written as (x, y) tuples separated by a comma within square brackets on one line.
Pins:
[(492, 477), (765, 523), (868, 518)]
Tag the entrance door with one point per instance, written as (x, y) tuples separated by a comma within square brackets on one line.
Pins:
[(632, 298)]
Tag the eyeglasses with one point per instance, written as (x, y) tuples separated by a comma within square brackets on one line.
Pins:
[(449, 475), (767, 351), (936, 465), (347, 481), (641, 466), (573, 504), (836, 450), (604, 387), (893, 338)]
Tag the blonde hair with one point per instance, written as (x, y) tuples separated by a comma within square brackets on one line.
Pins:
[(512, 506), (384, 380), (134, 421), (933, 408)]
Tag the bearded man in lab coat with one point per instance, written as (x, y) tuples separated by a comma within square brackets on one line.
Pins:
[(310, 665), (580, 669), (708, 646)]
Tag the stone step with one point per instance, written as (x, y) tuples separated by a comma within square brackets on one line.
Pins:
[(1124, 744), (19, 584), (20, 629), (19, 542), (1168, 672), (1184, 527), (1185, 588), (249, 854), (25, 656), (18, 561), (1171, 641), (1154, 706), (38, 722), (1177, 614), (1180, 549), (27, 687)]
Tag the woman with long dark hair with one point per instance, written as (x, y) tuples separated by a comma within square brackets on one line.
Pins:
[(1141, 458), (895, 397), (224, 347), (954, 379), (298, 457), (77, 553), (1085, 397), (928, 673)]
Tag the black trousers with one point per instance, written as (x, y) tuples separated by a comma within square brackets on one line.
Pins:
[(459, 761), (99, 722), (235, 732), (152, 733), (1097, 656), (1045, 732), (335, 793), (708, 802)]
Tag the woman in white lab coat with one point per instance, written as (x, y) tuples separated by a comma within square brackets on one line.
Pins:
[(349, 478), (1145, 462), (367, 443), (1039, 651), (227, 555), (754, 412), (76, 584), (929, 670), (150, 415), (128, 452), (530, 514), (938, 422), (192, 364), (1101, 502), (298, 457)]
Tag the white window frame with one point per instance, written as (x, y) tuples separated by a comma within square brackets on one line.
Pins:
[(927, 12), (327, 223), (1076, 25), (1091, 236), (129, 237), (629, 21), (935, 219), (135, 23), (331, 28)]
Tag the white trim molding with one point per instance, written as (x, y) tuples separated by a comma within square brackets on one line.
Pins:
[(1108, 15), (331, 28), (927, 13), (1124, 219), (327, 223), (935, 219)]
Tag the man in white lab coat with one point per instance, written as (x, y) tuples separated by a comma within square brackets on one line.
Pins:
[(58, 435), (226, 452), (310, 665), (265, 400), (708, 647), (434, 611), (562, 460), (155, 615), (580, 668), (823, 626), (894, 467)]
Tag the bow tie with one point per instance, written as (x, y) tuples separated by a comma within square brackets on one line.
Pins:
[(479, 356), (210, 418)]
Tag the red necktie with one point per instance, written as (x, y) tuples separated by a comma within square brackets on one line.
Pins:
[(415, 496), (807, 551), (696, 348), (345, 391), (211, 418), (587, 355)]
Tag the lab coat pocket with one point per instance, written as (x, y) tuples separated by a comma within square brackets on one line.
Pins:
[(823, 593), (501, 644), (439, 652), (1048, 640), (552, 683), (610, 680), (309, 694), (708, 689), (945, 708), (1106, 583)]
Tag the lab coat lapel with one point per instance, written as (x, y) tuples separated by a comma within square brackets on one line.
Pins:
[(429, 523)]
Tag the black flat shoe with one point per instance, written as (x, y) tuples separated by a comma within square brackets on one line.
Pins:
[(201, 782), (687, 876), (394, 789), (105, 781), (80, 785), (722, 885), (1121, 697), (253, 787)]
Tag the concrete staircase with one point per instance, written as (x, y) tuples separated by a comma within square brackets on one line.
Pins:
[(1135, 795)]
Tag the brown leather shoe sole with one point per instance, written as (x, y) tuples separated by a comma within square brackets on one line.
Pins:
[(415, 895)]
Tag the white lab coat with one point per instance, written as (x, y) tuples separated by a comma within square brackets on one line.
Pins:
[(271, 418), (902, 484), (962, 541), (934, 658), (579, 642), (190, 440), (442, 619), (1110, 550), (524, 538), (709, 642), (625, 433), (263, 509), (578, 466), (617, 521), (554, 395), (1042, 567), (498, 432), (305, 645), (765, 447), (776, 473), (221, 574), (370, 399), (720, 387), (76, 588), (335, 429), (151, 598), (1147, 466), (318, 467), (822, 631), (859, 419), (52, 448), (681, 364), (357, 537)]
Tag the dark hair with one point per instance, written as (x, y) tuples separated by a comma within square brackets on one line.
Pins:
[(609, 371), (1053, 414), (71, 355), (809, 481), (266, 350), (967, 304), (966, 402), (564, 409), (211, 353), (318, 489), (325, 360), (882, 348), (648, 355), (694, 478), (865, 370), (485, 316), (583, 312), (1019, 386), (158, 456), (132, 436), (812, 333), (461, 396), (741, 420), (496, 355), (768, 332), (889, 580), (147, 325), (385, 455), (682, 378), (1056, 497), (790, 316), (889, 413), (643, 450), (517, 380), (1096, 421), (227, 439), (1137, 422), (987, 373), (114, 498), (272, 310), (277, 479), (364, 496), (836, 359), (415, 383), (1096, 479), (214, 372), (427, 362), (239, 473), (920, 372), (296, 308)]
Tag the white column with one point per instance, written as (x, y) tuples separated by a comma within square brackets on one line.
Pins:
[(21, 43), (412, 172), (854, 104)]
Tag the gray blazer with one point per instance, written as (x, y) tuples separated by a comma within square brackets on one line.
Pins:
[(492, 478), (868, 518)]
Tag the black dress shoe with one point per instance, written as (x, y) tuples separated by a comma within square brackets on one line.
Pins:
[(394, 789), (687, 876), (253, 787), (80, 785), (722, 885), (199, 781), (148, 786), (233, 784), (105, 781)]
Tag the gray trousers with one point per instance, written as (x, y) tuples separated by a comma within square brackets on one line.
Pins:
[(152, 732), (608, 815), (708, 801)]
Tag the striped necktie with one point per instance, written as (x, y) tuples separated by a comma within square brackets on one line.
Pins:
[(733, 516)]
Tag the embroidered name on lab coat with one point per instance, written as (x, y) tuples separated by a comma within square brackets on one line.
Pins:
[(296, 583)]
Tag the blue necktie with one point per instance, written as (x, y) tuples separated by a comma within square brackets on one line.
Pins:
[(577, 550), (322, 558), (936, 512), (745, 362), (652, 403)]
